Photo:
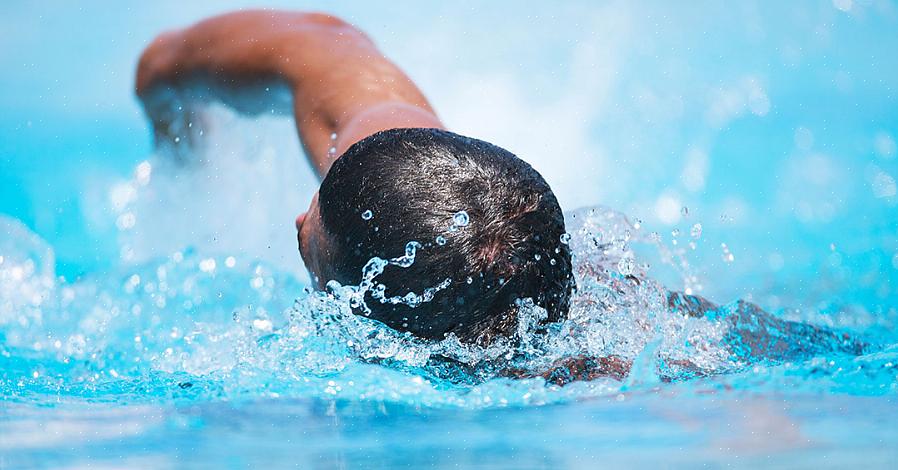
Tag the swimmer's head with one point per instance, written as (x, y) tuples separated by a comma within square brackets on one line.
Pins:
[(405, 185)]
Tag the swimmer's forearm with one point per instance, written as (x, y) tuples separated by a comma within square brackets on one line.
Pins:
[(339, 80), (576, 368)]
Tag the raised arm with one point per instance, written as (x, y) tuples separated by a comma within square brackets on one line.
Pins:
[(340, 83)]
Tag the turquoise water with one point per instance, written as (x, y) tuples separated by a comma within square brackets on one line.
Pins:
[(154, 314)]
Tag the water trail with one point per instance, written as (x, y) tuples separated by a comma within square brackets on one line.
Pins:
[(199, 307), (193, 326)]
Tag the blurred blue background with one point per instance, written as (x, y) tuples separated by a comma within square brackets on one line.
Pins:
[(774, 123)]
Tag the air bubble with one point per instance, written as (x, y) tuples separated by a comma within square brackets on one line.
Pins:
[(367, 215), (441, 240), (565, 238)]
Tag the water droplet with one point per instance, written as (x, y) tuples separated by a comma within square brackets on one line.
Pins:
[(727, 255), (143, 172), (207, 265), (469, 280), (263, 324), (441, 240), (367, 215), (553, 262), (675, 232), (565, 238), (461, 219), (637, 224), (537, 256), (696, 231), (626, 265), (334, 136)]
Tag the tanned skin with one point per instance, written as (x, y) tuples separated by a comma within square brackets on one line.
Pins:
[(339, 80)]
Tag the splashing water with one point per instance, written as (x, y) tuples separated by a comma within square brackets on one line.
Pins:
[(192, 326), (355, 295), (186, 317)]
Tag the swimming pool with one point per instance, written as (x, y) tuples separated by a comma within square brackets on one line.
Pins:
[(154, 314)]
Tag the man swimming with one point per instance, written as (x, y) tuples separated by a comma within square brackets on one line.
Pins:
[(487, 227)]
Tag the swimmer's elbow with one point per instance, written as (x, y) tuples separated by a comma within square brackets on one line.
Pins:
[(155, 61)]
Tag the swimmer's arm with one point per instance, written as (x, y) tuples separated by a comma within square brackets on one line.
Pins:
[(575, 369), (755, 334), (340, 82)]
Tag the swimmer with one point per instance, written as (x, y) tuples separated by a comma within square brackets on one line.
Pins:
[(488, 227)]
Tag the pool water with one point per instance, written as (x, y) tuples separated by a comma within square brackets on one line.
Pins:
[(154, 313), (163, 362)]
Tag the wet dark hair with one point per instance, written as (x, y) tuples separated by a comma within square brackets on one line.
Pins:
[(414, 181)]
